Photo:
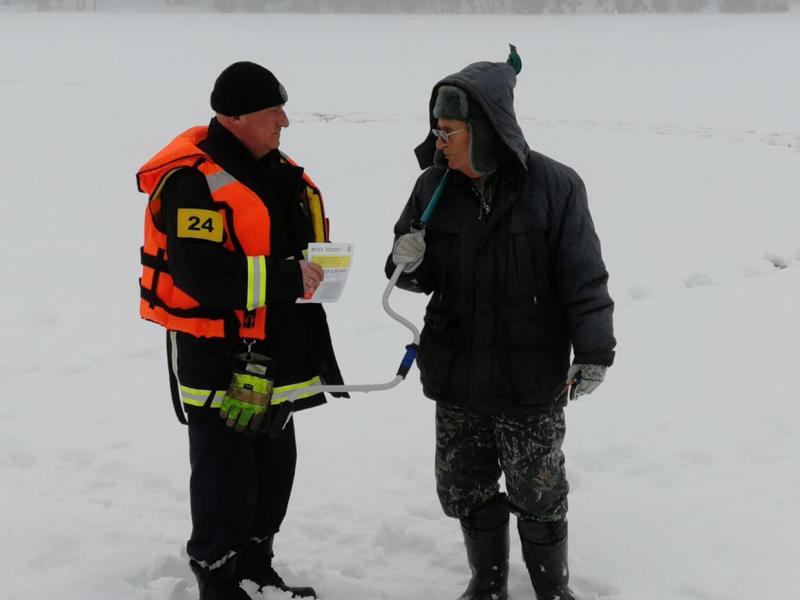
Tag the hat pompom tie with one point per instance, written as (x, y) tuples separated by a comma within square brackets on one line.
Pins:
[(514, 60)]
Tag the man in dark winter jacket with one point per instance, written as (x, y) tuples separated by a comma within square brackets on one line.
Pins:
[(518, 285), (228, 221)]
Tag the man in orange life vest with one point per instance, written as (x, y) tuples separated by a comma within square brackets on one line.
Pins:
[(229, 217)]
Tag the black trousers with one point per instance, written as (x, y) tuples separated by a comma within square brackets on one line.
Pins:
[(473, 450), (240, 485)]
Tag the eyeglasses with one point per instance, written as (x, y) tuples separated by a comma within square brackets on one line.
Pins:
[(444, 136)]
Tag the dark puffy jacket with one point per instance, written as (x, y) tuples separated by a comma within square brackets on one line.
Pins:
[(512, 292)]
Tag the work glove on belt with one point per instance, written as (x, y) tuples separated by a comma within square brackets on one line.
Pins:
[(242, 414), (249, 394)]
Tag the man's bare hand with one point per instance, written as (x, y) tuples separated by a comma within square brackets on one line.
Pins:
[(312, 276)]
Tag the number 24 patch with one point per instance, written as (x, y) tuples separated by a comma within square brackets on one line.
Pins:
[(200, 224)]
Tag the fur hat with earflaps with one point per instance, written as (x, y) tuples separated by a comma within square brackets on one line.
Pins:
[(481, 95), (486, 150)]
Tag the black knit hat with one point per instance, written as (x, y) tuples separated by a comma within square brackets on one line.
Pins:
[(246, 87)]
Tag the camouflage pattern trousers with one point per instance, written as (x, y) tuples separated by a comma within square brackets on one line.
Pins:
[(473, 450)]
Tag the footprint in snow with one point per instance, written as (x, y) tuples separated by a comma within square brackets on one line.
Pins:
[(78, 458), (169, 576), (19, 460), (171, 588), (695, 457), (394, 539), (429, 512), (594, 589), (640, 292), (691, 592), (779, 261), (354, 572), (73, 370), (698, 280)]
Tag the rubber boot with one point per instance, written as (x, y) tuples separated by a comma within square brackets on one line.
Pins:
[(544, 550), (487, 553), (486, 538), (220, 583), (255, 564)]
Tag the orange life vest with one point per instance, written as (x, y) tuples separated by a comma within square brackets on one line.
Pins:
[(245, 218)]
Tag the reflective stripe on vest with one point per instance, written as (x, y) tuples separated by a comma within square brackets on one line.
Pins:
[(281, 394), (195, 397), (218, 180)]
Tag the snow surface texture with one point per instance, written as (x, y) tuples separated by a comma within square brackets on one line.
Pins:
[(683, 465)]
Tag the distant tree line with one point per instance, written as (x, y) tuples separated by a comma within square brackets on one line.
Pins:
[(418, 6), (502, 6)]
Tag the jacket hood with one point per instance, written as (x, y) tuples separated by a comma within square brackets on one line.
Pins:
[(491, 86)]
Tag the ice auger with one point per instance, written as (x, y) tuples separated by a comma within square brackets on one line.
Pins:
[(411, 349)]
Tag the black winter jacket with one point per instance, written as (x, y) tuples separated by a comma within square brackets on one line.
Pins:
[(297, 336), (512, 293)]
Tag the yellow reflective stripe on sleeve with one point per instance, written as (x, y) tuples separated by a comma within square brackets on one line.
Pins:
[(281, 394), (315, 212), (160, 186), (195, 397), (256, 282)]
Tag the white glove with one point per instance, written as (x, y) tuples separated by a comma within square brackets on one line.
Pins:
[(409, 249), (584, 379)]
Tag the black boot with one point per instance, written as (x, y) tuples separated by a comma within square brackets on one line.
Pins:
[(486, 537), (255, 564), (220, 583), (487, 552), (544, 549)]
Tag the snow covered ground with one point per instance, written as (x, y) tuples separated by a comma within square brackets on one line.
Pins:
[(684, 465)]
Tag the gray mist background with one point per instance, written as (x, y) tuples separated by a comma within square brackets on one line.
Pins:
[(411, 6)]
